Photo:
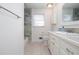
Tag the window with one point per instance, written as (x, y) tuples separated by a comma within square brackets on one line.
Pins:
[(38, 20)]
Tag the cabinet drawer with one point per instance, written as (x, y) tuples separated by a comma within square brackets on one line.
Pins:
[(53, 41), (69, 48), (53, 48), (53, 37), (62, 52), (53, 45)]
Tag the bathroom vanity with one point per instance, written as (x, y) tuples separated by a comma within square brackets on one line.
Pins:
[(63, 43)]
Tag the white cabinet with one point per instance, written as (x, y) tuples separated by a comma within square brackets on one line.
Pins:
[(59, 46), (68, 48), (53, 45)]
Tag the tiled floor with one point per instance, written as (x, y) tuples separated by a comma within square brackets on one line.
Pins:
[(36, 48)]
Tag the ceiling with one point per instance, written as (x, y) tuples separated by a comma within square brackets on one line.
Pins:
[(35, 5), (71, 5), (44, 5)]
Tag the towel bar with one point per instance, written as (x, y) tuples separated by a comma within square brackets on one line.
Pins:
[(10, 12)]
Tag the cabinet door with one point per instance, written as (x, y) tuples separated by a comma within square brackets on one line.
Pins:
[(53, 45), (69, 48), (56, 45)]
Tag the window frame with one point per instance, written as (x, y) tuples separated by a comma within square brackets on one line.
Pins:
[(33, 20)]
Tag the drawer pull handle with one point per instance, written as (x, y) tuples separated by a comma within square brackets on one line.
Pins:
[(69, 51)]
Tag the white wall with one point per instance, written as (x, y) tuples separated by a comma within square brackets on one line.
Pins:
[(59, 18), (12, 29), (41, 31)]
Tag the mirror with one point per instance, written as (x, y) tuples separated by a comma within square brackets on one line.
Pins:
[(70, 12)]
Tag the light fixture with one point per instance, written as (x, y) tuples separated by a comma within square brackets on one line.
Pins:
[(49, 5)]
